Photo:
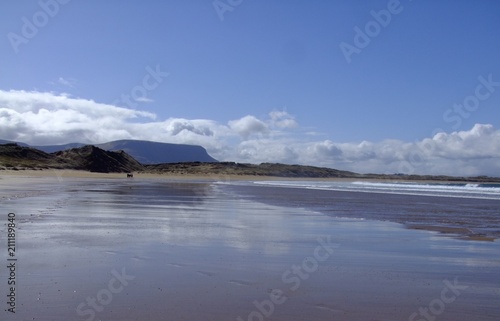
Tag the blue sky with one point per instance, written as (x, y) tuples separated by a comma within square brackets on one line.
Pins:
[(256, 81)]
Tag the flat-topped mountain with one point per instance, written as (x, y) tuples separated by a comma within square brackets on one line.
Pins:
[(148, 152)]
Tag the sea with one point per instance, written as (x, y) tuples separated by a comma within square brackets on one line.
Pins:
[(466, 209), (459, 190)]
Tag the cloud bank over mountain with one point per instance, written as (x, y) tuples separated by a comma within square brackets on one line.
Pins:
[(45, 118)]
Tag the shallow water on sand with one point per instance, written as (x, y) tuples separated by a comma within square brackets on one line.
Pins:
[(468, 216), (201, 251)]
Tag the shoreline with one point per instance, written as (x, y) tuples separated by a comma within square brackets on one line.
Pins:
[(71, 173), (447, 230)]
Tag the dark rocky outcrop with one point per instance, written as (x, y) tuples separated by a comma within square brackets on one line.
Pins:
[(14, 156), (88, 158), (95, 159)]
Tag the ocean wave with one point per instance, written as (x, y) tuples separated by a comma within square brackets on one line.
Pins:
[(470, 190)]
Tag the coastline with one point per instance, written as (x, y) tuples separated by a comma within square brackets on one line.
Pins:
[(462, 231), (61, 173)]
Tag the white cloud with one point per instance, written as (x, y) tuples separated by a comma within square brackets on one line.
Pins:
[(248, 125), (40, 118), (265, 150), (199, 127), (68, 82), (326, 148), (282, 119), (472, 152)]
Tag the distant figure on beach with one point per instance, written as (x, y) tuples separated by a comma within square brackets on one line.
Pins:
[(129, 175)]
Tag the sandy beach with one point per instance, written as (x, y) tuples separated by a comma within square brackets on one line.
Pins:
[(102, 247), (70, 173)]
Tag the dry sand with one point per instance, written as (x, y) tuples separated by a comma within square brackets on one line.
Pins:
[(59, 173)]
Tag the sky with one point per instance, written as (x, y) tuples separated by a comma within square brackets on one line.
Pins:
[(369, 86)]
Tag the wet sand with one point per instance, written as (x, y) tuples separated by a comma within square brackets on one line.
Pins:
[(163, 249), (473, 219)]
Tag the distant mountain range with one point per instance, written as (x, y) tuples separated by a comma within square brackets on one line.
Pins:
[(145, 152), (95, 159)]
